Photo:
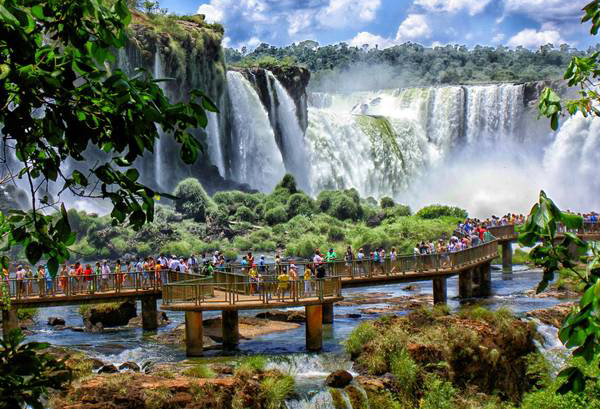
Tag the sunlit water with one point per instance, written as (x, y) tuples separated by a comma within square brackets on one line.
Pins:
[(286, 350)]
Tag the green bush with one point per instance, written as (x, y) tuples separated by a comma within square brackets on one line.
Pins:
[(242, 243), (244, 214), (299, 204), (276, 215), (344, 207), (336, 234), (304, 246), (192, 200), (404, 369), (288, 183), (398, 211), (435, 211), (439, 394), (324, 199), (362, 334), (199, 371), (279, 196), (386, 202), (276, 389)]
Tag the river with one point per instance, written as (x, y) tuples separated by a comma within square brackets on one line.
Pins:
[(286, 350)]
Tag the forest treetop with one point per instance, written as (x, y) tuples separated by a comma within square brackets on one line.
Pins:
[(412, 64)]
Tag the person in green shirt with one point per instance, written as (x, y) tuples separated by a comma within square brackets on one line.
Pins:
[(331, 256)]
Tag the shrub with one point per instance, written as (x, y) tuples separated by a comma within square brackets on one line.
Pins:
[(386, 202), (324, 199), (244, 214), (279, 196), (344, 207), (242, 243), (404, 369), (363, 333), (275, 389), (304, 246), (436, 210), (439, 394), (199, 371), (336, 234), (299, 204), (276, 215), (192, 200), (288, 183), (398, 211), (253, 363)]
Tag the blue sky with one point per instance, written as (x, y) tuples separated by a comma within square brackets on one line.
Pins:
[(528, 23)]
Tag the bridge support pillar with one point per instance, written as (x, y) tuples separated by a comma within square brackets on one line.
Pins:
[(485, 280), (507, 257), (193, 333), (9, 320), (465, 284), (314, 327), (328, 313), (440, 293), (230, 329), (149, 314)]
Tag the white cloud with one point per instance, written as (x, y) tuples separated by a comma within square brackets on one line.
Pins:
[(542, 10), (453, 6), (372, 40), (498, 38), (413, 27), (531, 38), (341, 13), (213, 12)]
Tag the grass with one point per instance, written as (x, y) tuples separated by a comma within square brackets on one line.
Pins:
[(102, 307), (362, 334), (439, 394), (27, 313), (158, 398), (252, 364), (338, 399), (275, 390), (404, 369), (199, 371)]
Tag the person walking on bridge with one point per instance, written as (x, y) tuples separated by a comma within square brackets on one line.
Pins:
[(105, 275)]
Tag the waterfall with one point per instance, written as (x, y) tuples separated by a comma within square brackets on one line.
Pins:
[(292, 143), (214, 142), (256, 157), (159, 176)]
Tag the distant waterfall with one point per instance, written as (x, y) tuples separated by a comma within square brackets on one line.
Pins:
[(214, 142), (292, 143), (256, 158)]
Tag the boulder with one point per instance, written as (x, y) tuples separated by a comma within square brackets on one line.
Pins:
[(161, 320), (108, 369), (129, 366), (353, 316), (222, 369), (338, 379), (287, 316), (411, 287), (53, 321), (96, 328), (109, 315), (96, 363)]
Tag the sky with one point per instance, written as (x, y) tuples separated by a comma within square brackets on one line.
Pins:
[(513, 23)]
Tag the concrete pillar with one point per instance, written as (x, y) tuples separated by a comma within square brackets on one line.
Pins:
[(465, 284), (314, 327), (328, 313), (149, 314), (507, 256), (440, 294), (230, 329), (485, 280), (193, 333), (9, 320)]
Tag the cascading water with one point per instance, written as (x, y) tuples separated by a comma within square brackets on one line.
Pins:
[(159, 72), (292, 143), (214, 142), (256, 157)]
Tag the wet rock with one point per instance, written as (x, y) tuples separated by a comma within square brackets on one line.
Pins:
[(351, 316), (287, 316), (96, 363), (371, 384), (54, 321), (108, 369), (161, 320), (222, 369), (96, 328), (555, 315), (109, 315), (412, 287), (129, 366), (338, 379)]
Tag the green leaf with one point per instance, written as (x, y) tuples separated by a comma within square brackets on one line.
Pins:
[(132, 174), (34, 252)]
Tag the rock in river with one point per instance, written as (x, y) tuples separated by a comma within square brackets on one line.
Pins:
[(338, 379)]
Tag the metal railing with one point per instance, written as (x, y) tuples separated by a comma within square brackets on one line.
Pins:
[(259, 292), (93, 285)]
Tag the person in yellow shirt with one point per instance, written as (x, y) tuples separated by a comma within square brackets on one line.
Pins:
[(253, 275), (307, 280), (283, 281)]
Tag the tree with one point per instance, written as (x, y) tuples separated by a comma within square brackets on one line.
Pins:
[(60, 96), (583, 72), (191, 199)]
